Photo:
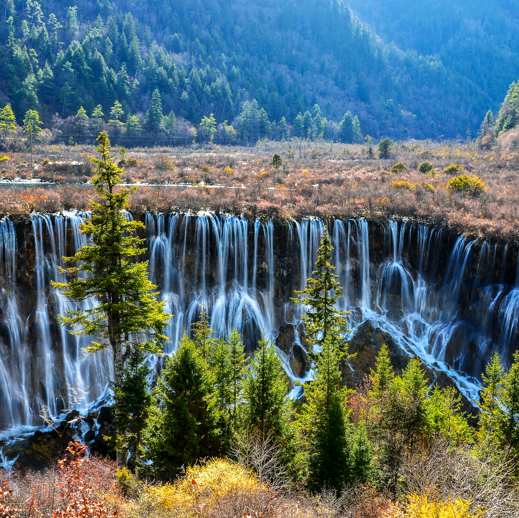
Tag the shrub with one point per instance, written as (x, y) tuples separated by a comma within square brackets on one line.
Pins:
[(425, 155), (428, 187), (164, 163), (385, 147), (425, 167), (204, 485), (453, 169), (205, 168), (228, 170), (470, 185), (3, 158), (404, 184), (45, 162), (133, 162), (420, 506), (277, 162), (399, 168)]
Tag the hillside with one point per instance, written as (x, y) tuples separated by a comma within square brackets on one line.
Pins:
[(208, 58), (475, 40)]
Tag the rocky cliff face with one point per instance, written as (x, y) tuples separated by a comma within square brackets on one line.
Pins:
[(429, 292)]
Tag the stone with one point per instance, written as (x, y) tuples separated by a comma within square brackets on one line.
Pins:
[(366, 344), (299, 361), (89, 436), (105, 415), (72, 416)]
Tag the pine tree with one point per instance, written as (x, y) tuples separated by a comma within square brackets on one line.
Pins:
[(238, 361), (499, 419), (97, 117), (202, 332), (383, 375), (131, 397), (321, 294), (182, 425), (133, 124), (154, 114), (324, 422), (264, 394), (32, 128), (385, 147), (127, 307), (208, 127), (346, 129), (81, 121), (7, 122)]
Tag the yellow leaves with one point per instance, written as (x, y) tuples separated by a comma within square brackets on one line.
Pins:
[(404, 184), (305, 172), (205, 484), (228, 170), (422, 507)]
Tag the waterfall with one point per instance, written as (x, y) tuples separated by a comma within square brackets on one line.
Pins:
[(452, 302)]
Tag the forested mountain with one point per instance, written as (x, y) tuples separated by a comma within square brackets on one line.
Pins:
[(254, 64), (478, 40)]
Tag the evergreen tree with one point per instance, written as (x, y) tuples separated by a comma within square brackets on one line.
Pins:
[(321, 293), (133, 124), (81, 121), (182, 426), (238, 361), (154, 117), (346, 130), (264, 394), (499, 419), (116, 115), (385, 147), (208, 127), (127, 307), (7, 122), (97, 117), (131, 397), (324, 423), (32, 128), (202, 332)]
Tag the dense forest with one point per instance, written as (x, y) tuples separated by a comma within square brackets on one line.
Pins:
[(475, 40), (250, 69)]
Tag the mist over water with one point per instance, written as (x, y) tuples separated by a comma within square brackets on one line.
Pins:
[(448, 300)]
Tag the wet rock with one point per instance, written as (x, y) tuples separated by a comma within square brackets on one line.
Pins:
[(299, 361), (72, 416), (102, 443), (45, 447), (286, 338), (89, 436), (105, 415), (366, 344)]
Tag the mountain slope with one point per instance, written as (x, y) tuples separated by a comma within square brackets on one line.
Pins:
[(474, 39), (212, 56)]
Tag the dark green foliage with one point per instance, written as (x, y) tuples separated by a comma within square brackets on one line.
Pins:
[(277, 162), (321, 294), (509, 113), (93, 54), (131, 400), (127, 306), (425, 167), (499, 419), (182, 426), (401, 420), (324, 423), (266, 411), (385, 147)]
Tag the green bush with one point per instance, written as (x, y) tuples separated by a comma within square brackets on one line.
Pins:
[(404, 184), (470, 185), (428, 187), (453, 169), (425, 167), (399, 168)]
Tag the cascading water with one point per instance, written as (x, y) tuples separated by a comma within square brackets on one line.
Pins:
[(449, 301)]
